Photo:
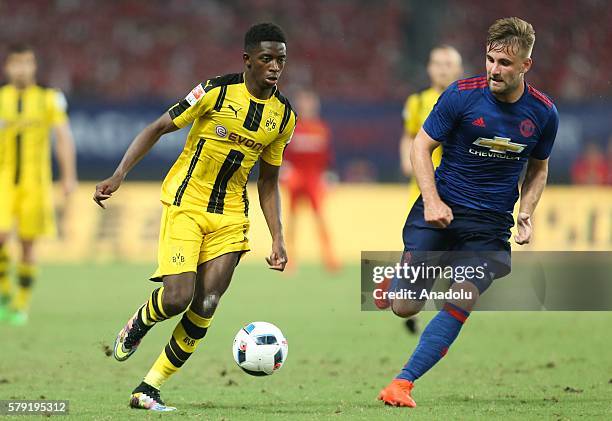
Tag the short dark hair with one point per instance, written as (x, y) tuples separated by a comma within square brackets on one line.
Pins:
[(263, 32), (19, 48)]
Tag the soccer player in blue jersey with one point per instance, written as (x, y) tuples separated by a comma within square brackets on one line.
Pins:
[(490, 127)]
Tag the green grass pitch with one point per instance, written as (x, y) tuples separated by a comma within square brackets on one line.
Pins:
[(503, 365)]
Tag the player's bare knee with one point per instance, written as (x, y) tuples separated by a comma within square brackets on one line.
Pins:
[(205, 306), (406, 308), (178, 292), (175, 302), (470, 295), (176, 298), (404, 313)]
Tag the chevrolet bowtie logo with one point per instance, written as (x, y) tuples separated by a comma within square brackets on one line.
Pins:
[(500, 144)]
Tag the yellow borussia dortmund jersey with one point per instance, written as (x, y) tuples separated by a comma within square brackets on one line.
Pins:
[(26, 117), (417, 108), (231, 130)]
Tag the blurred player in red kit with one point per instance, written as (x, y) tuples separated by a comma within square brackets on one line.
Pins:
[(307, 159)]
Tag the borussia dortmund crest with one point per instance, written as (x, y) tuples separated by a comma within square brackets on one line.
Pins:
[(271, 122)]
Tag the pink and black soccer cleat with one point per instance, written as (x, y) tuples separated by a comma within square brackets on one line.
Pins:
[(129, 338)]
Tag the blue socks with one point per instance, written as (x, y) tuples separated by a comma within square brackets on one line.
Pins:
[(437, 337)]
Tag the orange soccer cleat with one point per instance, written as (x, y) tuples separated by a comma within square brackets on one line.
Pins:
[(398, 393), (383, 302)]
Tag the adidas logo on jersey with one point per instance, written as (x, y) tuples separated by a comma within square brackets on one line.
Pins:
[(479, 122)]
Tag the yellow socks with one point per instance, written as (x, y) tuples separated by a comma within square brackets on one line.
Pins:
[(26, 273), (5, 282), (186, 336), (153, 311)]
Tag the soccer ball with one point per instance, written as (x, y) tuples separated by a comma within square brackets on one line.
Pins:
[(260, 349)]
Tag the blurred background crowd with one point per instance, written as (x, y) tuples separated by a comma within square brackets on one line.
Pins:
[(122, 62)]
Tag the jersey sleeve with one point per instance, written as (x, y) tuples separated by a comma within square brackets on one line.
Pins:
[(273, 153), (549, 133), (57, 107), (197, 103), (411, 115), (444, 115)]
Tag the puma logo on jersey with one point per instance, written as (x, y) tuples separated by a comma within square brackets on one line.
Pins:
[(234, 110)]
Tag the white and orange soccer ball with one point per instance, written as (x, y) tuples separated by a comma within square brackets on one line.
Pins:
[(260, 349)]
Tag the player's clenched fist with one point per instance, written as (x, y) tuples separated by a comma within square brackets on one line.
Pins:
[(105, 189), (278, 257), (438, 214)]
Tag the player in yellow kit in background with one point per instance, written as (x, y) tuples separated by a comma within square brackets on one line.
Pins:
[(443, 68), (28, 112)]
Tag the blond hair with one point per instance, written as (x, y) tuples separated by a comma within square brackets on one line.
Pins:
[(512, 34), (447, 47)]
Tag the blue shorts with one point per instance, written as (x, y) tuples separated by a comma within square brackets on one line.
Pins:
[(474, 237)]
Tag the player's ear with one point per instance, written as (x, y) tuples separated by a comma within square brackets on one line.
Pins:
[(527, 64), (246, 59)]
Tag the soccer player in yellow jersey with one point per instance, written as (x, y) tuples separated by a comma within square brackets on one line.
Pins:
[(444, 68), (28, 113), (237, 120)]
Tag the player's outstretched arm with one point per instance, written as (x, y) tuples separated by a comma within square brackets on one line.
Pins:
[(269, 200), (142, 143), (531, 191), (66, 156), (437, 212)]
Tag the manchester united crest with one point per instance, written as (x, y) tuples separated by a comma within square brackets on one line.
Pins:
[(527, 128)]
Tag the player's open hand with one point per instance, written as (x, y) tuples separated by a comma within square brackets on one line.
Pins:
[(105, 189), (278, 257), (438, 214), (523, 225)]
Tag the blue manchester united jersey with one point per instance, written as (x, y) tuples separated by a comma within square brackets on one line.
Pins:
[(486, 142)]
